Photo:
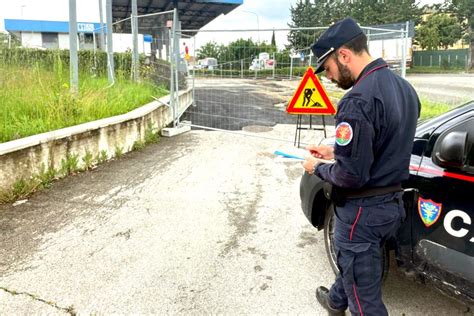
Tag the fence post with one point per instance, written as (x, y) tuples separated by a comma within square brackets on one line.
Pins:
[(274, 66), (242, 68), (102, 29), (73, 62), (405, 48), (110, 50), (134, 23), (291, 67)]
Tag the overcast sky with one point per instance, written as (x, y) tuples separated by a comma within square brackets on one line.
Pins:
[(253, 14)]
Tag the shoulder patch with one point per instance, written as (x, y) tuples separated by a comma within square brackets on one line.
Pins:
[(344, 134)]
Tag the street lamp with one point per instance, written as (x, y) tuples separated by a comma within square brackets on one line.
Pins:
[(22, 6), (258, 23)]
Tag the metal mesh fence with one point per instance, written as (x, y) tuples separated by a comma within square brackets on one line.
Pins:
[(244, 79), (35, 73)]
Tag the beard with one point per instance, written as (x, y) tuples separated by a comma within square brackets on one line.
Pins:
[(345, 78)]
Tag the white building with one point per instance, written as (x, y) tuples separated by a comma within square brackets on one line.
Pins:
[(55, 35)]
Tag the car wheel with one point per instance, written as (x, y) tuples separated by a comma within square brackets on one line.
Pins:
[(329, 224)]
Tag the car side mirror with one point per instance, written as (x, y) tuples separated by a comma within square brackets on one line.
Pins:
[(450, 150)]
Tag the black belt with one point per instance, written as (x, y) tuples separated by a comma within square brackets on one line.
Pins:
[(368, 192)]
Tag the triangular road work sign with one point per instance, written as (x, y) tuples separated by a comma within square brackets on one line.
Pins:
[(310, 97)]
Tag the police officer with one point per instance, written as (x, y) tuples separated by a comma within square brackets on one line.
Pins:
[(375, 126)]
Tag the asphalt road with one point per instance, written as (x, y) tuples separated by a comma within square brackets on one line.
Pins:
[(233, 104), (203, 223), (452, 89)]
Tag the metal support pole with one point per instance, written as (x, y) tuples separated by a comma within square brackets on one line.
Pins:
[(73, 61), (174, 67), (178, 62), (94, 49), (134, 22), (291, 67), (110, 50), (194, 71), (368, 40), (274, 66), (405, 48), (102, 29), (242, 68)]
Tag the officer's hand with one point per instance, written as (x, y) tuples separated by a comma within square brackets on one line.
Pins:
[(322, 151), (310, 163)]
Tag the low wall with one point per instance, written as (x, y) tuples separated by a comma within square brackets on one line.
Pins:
[(23, 158)]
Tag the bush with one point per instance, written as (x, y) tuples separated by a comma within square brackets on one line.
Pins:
[(89, 62)]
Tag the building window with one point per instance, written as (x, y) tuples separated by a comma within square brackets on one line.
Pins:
[(86, 41), (50, 40)]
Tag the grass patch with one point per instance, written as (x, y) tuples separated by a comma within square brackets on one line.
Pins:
[(431, 109), (36, 100)]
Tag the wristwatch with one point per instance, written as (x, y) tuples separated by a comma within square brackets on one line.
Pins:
[(315, 168)]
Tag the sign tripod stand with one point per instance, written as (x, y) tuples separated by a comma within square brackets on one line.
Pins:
[(311, 99), (299, 127)]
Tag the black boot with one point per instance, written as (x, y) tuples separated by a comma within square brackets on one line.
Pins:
[(322, 295)]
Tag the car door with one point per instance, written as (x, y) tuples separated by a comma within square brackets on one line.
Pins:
[(442, 221)]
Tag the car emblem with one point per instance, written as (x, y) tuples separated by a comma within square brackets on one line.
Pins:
[(429, 211), (343, 134)]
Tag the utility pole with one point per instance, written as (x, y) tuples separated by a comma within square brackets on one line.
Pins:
[(110, 49), (73, 61)]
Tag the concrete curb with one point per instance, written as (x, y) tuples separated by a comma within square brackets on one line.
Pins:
[(23, 158)]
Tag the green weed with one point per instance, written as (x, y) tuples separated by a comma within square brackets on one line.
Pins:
[(46, 176), (103, 156), (69, 164), (118, 152), (151, 136), (138, 145), (88, 160)]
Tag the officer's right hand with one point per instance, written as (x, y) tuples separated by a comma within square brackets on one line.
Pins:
[(322, 151)]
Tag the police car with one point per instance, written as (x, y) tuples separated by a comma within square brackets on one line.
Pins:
[(436, 241)]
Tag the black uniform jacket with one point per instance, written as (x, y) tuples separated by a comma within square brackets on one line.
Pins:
[(375, 126)]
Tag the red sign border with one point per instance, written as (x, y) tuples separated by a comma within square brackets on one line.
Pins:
[(330, 110)]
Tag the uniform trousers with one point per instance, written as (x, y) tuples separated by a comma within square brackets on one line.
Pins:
[(362, 226)]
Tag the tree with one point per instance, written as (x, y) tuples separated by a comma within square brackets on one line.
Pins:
[(210, 49), (464, 11), (241, 49), (370, 12), (9, 41), (439, 31), (308, 13), (273, 43)]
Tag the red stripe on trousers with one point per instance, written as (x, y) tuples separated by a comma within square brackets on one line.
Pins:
[(357, 300), (355, 223)]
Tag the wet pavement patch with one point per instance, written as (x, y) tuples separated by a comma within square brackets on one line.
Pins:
[(256, 129)]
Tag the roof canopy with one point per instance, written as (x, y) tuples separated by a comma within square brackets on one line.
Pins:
[(193, 14)]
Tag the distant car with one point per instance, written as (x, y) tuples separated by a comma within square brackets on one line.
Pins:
[(207, 63), (262, 62), (435, 244)]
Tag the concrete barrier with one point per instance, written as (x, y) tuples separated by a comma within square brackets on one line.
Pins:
[(105, 138)]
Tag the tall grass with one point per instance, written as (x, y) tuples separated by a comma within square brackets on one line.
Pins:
[(37, 99), (431, 109)]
